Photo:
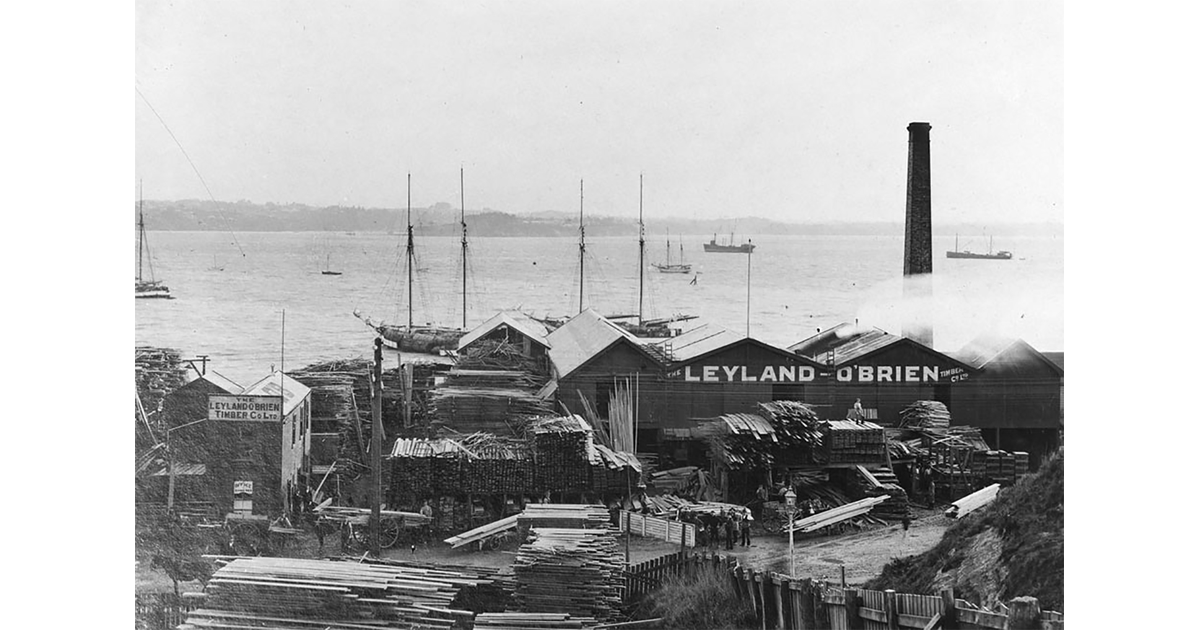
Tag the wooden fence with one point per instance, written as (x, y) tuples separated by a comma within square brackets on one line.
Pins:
[(160, 611), (781, 602), (660, 528)]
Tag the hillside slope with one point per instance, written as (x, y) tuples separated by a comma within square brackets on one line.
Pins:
[(1010, 548)]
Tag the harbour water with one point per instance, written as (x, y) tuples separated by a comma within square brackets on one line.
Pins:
[(231, 306)]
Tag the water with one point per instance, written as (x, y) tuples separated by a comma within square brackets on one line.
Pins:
[(798, 285)]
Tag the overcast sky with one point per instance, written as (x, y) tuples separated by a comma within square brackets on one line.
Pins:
[(791, 110)]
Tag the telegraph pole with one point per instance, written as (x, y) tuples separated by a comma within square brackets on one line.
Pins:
[(376, 444)]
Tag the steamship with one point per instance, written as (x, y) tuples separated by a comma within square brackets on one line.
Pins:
[(727, 248), (1000, 255)]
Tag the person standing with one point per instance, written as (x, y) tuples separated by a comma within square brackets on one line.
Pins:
[(728, 533), (745, 523), (427, 528), (905, 522)]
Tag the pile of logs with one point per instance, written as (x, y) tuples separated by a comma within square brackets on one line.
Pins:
[(573, 571), (848, 441), (561, 447), (929, 414), (291, 592)]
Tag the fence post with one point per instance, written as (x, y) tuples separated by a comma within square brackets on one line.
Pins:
[(760, 584), (820, 609), (1024, 613), (783, 588), (949, 610), (889, 609), (853, 621), (808, 620)]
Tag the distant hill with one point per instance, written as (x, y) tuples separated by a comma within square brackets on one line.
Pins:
[(443, 219)]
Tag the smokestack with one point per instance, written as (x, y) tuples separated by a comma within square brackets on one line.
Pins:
[(918, 231)]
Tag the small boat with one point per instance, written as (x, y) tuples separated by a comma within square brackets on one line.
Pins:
[(143, 288), (1000, 255), (669, 267), (713, 247), (327, 271)]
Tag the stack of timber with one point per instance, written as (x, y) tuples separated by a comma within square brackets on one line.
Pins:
[(674, 479), (496, 410), (1021, 462), (1001, 467), (614, 471), (810, 484), (661, 505), (795, 423), (405, 519), (489, 354), (929, 414), (836, 515), (973, 501), (482, 532), (532, 621), (480, 463), (895, 507), (573, 571), (561, 454), (291, 592), (849, 442), (563, 515), (782, 430), (157, 372)]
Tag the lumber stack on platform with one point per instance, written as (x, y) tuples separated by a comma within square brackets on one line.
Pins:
[(928, 414), (573, 571), (291, 592), (561, 451), (562, 515), (850, 442)]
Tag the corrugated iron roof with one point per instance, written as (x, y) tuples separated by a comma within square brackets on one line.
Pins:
[(844, 344), (984, 349), (697, 341), (222, 381), (583, 337), (516, 320), (293, 391)]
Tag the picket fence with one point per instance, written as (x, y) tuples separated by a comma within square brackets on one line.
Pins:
[(781, 602), (660, 528)]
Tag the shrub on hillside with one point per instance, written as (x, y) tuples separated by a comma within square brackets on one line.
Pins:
[(1028, 518), (703, 601)]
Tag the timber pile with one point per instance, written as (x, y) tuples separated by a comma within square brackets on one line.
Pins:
[(530, 621), (817, 485), (781, 430), (1000, 467), (482, 532), (157, 372), (973, 501), (405, 519), (795, 423), (479, 463), (487, 354), (929, 414), (836, 515), (291, 592), (563, 515), (614, 471), (573, 571), (895, 507), (485, 409), (561, 448), (661, 505), (848, 442)]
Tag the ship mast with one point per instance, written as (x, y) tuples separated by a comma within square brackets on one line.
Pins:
[(582, 247), (141, 232), (409, 253), (463, 220), (641, 250)]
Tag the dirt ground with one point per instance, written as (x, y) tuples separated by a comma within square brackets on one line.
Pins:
[(862, 553)]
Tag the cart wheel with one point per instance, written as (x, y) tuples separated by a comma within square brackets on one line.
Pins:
[(389, 533), (355, 537), (246, 540)]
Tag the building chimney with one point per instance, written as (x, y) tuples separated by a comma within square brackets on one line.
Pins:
[(918, 232)]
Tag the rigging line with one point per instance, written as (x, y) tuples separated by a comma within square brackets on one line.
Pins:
[(194, 169)]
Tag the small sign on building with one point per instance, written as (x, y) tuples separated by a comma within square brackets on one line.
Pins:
[(244, 408), (243, 487)]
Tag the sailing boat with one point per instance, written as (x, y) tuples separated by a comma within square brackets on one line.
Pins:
[(679, 267), (143, 288), (424, 339), (1000, 255), (327, 271)]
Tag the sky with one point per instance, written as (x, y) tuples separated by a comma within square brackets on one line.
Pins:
[(795, 111)]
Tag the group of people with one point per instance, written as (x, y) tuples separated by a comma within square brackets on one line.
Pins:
[(711, 528)]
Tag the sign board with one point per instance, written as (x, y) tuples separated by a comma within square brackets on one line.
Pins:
[(243, 487), (806, 374), (244, 408)]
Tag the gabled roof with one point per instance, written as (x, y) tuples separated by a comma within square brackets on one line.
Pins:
[(710, 348), (582, 338), (845, 342), (221, 381), (985, 349), (293, 391), (516, 320), (696, 342), (1058, 358)]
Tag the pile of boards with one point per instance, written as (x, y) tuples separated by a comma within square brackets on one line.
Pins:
[(929, 414), (479, 463), (532, 621), (562, 449), (780, 430), (563, 515), (1003, 467), (157, 372), (614, 471), (573, 571), (292, 592), (973, 501), (464, 408), (849, 441), (836, 515)]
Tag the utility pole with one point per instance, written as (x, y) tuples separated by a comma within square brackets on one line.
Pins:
[(748, 254), (582, 247), (376, 444), (641, 250)]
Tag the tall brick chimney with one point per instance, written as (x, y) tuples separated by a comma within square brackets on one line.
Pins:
[(918, 231)]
